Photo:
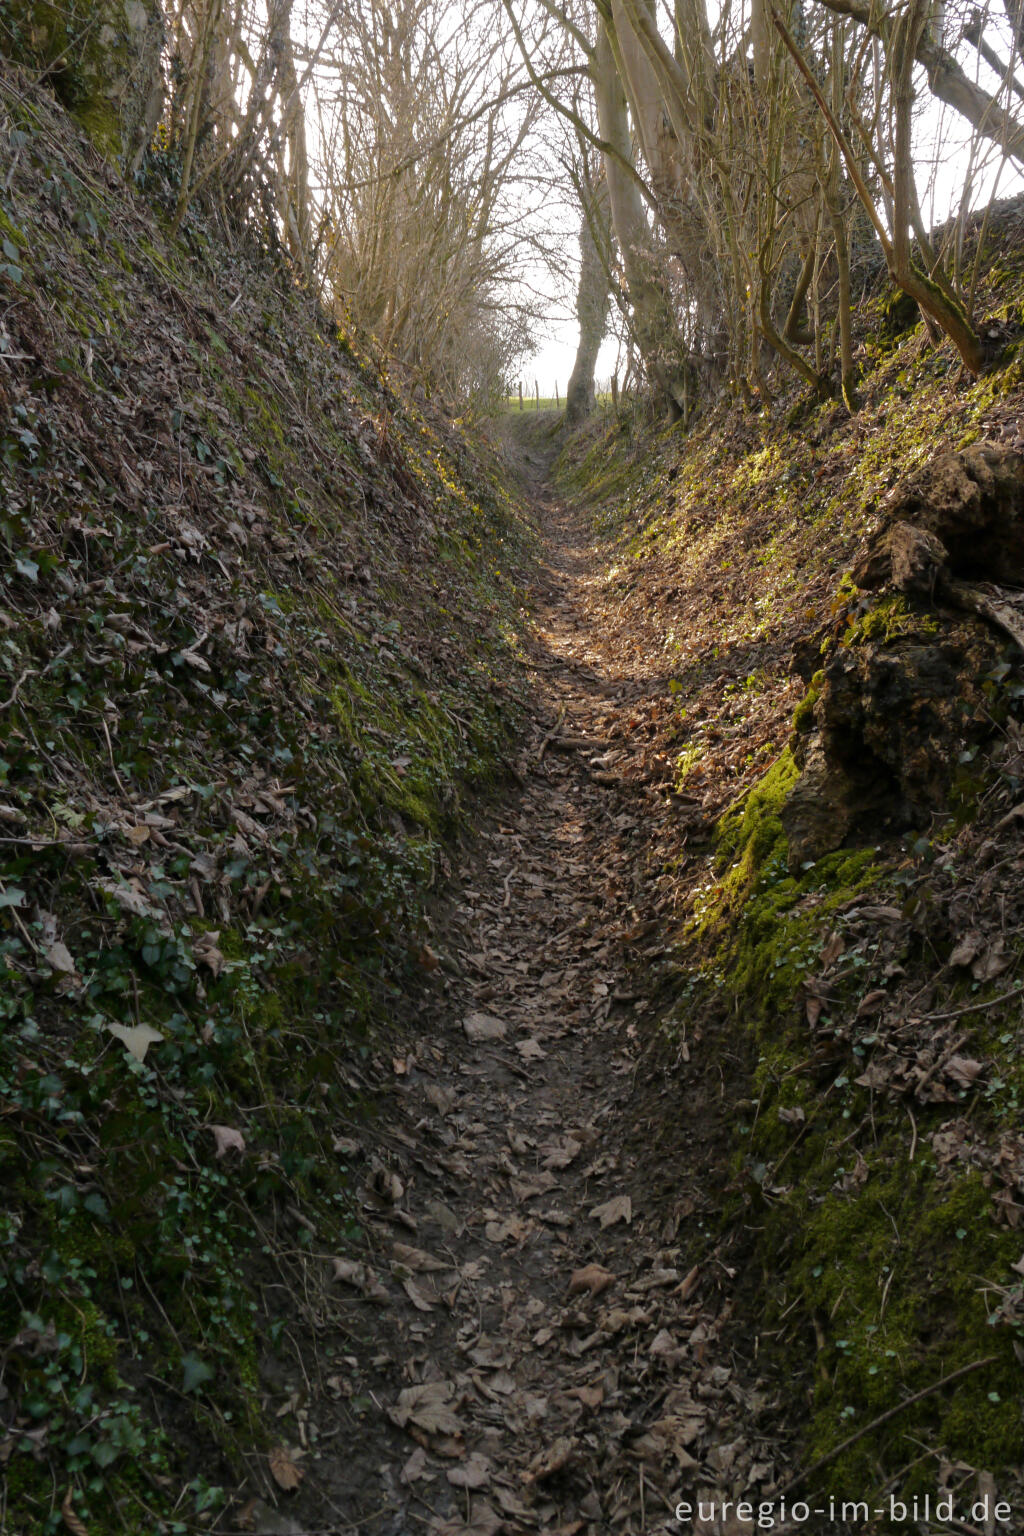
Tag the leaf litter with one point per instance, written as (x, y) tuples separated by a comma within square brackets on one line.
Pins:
[(550, 1362)]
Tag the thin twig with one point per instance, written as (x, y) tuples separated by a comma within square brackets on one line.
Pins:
[(883, 1418), (552, 734), (28, 672), (993, 1002)]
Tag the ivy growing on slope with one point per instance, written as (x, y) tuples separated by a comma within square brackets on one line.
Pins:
[(258, 622)]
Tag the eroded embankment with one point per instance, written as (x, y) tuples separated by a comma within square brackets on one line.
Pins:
[(258, 639), (842, 753)]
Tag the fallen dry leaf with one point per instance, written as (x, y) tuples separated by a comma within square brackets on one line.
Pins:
[(136, 1038), (966, 949), (551, 1460), (474, 1472), (442, 1099), (482, 1521), (59, 958), (415, 1468), (834, 947), (593, 1278), (386, 1185), (71, 1518), (426, 1407), (206, 952), (283, 1470), (590, 1397), (529, 1189), (663, 1345), (417, 1296), (992, 962), (513, 1227), (227, 1139), (417, 1259), (689, 1284), (349, 1272), (964, 1070), (620, 1208), (484, 1026), (561, 1153), (531, 1050)]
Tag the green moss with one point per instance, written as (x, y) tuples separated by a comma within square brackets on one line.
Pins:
[(893, 1270), (886, 1263), (768, 925), (752, 830), (803, 715), (886, 620), (87, 46)]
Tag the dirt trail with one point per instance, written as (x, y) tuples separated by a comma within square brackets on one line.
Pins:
[(540, 1353)]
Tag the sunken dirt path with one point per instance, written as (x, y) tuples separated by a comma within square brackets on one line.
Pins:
[(530, 1349)]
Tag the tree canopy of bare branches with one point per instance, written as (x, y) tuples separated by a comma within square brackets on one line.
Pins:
[(738, 167)]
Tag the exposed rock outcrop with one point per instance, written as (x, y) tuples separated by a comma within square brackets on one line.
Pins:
[(900, 686), (971, 502)]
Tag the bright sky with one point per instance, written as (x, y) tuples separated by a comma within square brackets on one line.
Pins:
[(554, 359)]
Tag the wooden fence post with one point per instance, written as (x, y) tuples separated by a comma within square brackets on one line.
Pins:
[(520, 394), (536, 393)]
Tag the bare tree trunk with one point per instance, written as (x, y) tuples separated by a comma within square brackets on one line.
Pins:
[(653, 319), (591, 309)]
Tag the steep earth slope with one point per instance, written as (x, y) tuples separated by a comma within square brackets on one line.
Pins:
[(258, 634), (837, 729)]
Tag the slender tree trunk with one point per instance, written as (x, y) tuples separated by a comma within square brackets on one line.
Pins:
[(591, 310), (944, 310), (653, 319)]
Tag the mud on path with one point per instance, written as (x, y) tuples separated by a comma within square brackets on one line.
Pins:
[(529, 1346)]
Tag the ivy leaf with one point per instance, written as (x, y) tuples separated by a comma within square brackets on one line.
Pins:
[(195, 1373)]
